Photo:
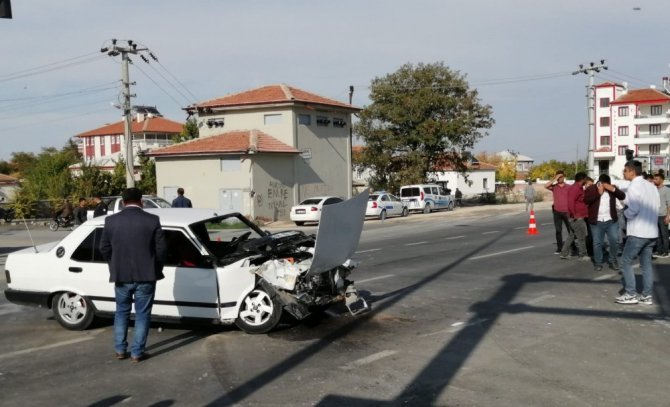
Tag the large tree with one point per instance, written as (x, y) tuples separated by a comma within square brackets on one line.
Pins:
[(420, 116)]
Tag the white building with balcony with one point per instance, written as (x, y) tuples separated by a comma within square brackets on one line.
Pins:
[(635, 119)]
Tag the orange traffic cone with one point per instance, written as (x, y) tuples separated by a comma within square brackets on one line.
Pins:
[(532, 228)]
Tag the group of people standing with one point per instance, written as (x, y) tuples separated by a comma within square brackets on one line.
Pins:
[(635, 213)]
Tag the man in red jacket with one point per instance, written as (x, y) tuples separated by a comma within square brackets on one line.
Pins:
[(601, 200), (578, 212)]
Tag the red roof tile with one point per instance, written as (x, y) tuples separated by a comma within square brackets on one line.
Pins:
[(272, 94), (608, 84), (232, 142), (7, 179), (148, 125), (642, 96)]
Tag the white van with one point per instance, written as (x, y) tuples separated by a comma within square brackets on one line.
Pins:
[(426, 197)]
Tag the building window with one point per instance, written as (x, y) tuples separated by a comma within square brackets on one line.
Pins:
[(622, 131), (604, 121), (654, 149), (604, 140), (656, 110), (655, 129), (604, 102), (322, 121), (305, 119), (338, 122), (272, 118), (623, 111), (622, 150), (231, 164), (485, 184)]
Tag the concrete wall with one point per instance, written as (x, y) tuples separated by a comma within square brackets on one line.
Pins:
[(273, 186), (457, 180), (279, 126)]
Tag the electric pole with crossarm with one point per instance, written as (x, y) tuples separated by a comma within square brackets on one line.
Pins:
[(590, 70), (113, 50)]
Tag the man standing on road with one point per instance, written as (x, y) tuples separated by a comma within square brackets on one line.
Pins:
[(181, 201), (529, 194), (80, 212), (132, 242), (663, 216), (601, 200), (642, 229), (559, 190), (100, 207), (578, 213)]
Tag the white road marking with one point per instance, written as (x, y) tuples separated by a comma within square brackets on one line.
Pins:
[(539, 299), (51, 346), (454, 237), (662, 322), (546, 224), (603, 277), (521, 227), (415, 243), (491, 232), (11, 309), (374, 278), (368, 251), (455, 327), (368, 359), (499, 253)]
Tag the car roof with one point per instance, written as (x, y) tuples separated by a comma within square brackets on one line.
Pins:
[(321, 198), (175, 216)]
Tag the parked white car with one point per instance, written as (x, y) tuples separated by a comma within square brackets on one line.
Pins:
[(382, 204), (219, 267), (310, 209), (426, 197), (115, 203)]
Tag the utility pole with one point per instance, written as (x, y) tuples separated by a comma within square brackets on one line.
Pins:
[(591, 70), (351, 146), (115, 50)]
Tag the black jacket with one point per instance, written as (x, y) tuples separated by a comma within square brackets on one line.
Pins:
[(132, 242)]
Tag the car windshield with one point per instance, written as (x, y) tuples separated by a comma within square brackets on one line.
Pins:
[(162, 203), (407, 192), (311, 201), (222, 235)]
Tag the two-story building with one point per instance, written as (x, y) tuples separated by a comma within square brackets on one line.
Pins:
[(261, 151), (105, 146), (631, 119)]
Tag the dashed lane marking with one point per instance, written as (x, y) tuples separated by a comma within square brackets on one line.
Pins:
[(368, 359), (10, 309), (415, 243), (520, 227), (490, 232), (454, 237), (604, 277), (374, 278), (539, 299), (503, 252), (368, 251), (455, 327), (51, 346), (546, 224)]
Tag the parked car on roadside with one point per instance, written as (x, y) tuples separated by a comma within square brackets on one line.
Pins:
[(309, 210), (115, 203), (219, 268), (426, 197), (382, 204)]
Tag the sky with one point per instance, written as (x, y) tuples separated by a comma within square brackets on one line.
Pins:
[(518, 54)]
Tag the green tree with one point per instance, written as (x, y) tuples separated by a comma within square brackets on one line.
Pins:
[(118, 180), (547, 169), (148, 182), (5, 167), (21, 162), (189, 130), (419, 116), (91, 181)]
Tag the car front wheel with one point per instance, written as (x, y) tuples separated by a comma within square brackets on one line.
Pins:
[(382, 215), (259, 312), (72, 311), (426, 209)]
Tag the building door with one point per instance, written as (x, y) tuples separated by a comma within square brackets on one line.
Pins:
[(230, 200), (604, 167)]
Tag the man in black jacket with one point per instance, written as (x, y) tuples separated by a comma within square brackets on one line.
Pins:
[(601, 200), (132, 242)]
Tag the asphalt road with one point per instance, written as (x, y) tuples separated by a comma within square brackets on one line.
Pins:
[(467, 309)]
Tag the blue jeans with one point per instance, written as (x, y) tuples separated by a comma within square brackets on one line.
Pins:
[(142, 295), (643, 247), (600, 230)]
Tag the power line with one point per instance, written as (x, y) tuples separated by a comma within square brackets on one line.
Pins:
[(39, 71), (32, 124), (159, 86), (57, 95), (186, 98), (60, 108)]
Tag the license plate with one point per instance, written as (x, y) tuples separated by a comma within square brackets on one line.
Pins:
[(300, 211)]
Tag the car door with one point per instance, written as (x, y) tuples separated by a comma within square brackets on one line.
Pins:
[(190, 286), (396, 204)]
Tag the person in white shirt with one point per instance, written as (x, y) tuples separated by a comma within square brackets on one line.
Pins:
[(642, 230)]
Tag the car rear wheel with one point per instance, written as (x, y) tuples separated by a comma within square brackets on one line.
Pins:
[(405, 211), (451, 206), (259, 312), (72, 311), (426, 209), (299, 223), (382, 215)]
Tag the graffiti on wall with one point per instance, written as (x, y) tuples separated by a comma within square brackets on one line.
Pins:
[(277, 199)]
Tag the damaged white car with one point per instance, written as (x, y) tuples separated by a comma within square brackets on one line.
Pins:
[(219, 267)]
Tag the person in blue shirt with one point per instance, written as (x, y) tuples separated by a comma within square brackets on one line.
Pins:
[(181, 201)]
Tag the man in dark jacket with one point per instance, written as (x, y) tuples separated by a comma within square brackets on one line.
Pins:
[(132, 242), (100, 207), (181, 201), (578, 212), (601, 200)]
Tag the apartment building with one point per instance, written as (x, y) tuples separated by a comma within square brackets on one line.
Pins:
[(631, 119)]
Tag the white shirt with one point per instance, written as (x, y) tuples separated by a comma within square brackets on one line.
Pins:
[(642, 209), (604, 209)]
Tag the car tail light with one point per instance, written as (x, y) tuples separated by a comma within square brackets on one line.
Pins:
[(8, 278), (374, 205), (422, 195), (314, 209)]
